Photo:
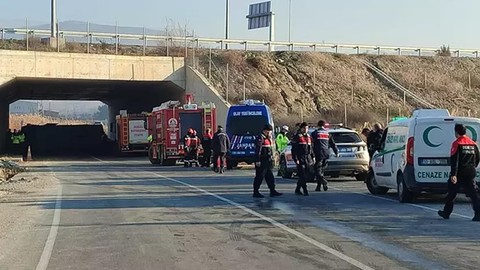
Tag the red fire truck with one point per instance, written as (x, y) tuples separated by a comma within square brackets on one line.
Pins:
[(131, 133), (169, 123)]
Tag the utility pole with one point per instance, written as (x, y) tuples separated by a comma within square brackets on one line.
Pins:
[(227, 22), (290, 21), (53, 23)]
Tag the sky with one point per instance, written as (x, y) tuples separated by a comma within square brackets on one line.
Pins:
[(429, 23)]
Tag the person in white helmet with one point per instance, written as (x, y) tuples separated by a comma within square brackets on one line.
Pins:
[(282, 139)]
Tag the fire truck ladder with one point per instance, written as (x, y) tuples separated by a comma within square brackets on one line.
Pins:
[(208, 117), (124, 131)]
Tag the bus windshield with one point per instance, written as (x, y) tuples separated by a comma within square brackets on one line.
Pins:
[(246, 125)]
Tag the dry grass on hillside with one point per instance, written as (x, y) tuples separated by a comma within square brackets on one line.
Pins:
[(320, 84), (447, 80), (16, 121)]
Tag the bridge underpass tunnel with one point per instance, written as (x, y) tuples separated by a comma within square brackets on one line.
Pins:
[(132, 96)]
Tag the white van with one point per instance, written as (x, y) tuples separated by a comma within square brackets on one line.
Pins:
[(414, 154)]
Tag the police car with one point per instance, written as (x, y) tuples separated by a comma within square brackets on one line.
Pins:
[(414, 154), (353, 156)]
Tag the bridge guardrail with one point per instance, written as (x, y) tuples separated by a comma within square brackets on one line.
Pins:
[(243, 44)]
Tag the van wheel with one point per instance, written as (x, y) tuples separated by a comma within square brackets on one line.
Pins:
[(404, 195), (372, 185)]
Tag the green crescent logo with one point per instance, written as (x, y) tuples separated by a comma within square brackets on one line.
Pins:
[(427, 140), (474, 133)]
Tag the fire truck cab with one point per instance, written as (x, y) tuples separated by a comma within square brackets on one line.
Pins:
[(168, 124)]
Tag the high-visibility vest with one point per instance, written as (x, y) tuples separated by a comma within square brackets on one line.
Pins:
[(15, 139)]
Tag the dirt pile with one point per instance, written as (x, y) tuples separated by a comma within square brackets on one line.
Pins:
[(8, 169), (17, 120)]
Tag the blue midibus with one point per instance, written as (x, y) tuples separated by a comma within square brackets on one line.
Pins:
[(244, 123)]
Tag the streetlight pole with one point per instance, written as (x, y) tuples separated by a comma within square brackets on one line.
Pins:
[(53, 23), (289, 21), (227, 22)]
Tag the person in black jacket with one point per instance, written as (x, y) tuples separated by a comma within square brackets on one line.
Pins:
[(221, 145), (464, 159), (302, 154), (207, 147), (264, 163), (322, 142), (374, 138)]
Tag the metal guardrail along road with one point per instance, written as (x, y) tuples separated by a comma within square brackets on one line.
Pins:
[(243, 43)]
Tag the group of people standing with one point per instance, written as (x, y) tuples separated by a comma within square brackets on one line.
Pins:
[(309, 151), (215, 148)]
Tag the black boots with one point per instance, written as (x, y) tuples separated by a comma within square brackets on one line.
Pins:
[(275, 193), (257, 194), (444, 215), (298, 192), (476, 217)]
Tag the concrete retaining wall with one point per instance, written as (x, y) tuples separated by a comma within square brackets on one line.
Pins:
[(203, 91)]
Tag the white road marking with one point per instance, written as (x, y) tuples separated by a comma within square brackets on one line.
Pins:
[(396, 201), (97, 159), (276, 224), (52, 236)]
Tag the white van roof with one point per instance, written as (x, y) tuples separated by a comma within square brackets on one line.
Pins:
[(430, 113)]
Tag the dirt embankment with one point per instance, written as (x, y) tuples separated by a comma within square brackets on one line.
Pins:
[(323, 85)]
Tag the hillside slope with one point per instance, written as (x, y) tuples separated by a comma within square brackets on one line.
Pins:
[(322, 84)]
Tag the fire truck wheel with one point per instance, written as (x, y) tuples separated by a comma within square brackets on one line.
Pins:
[(150, 157)]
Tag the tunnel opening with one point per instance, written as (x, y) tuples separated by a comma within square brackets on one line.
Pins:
[(94, 136)]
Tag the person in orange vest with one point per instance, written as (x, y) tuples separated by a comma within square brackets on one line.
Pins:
[(191, 145), (207, 147)]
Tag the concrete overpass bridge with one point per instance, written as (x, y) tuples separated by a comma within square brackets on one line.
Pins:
[(133, 83)]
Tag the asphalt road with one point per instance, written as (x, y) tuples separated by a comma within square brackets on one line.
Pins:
[(128, 214)]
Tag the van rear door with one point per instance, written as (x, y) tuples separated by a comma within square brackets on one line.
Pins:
[(433, 141)]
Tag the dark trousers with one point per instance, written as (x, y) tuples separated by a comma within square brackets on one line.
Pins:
[(303, 172), (264, 171), (192, 153), (207, 157), (219, 156), (320, 170), (465, 178)]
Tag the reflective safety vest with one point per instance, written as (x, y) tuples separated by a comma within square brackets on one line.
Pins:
[(302, 145), (150, 138), (191, 141), (282, 142), (21, 138), (264, 149), (15, 139)]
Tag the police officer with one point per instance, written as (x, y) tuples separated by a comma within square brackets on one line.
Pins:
[(207, 147), (302, 154), (464, 159), (264, 163), (322, 142)]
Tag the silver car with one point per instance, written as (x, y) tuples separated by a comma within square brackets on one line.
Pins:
[(353, 156)]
